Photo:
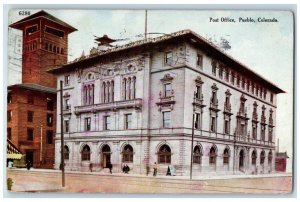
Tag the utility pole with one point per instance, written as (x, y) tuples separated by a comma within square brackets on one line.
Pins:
[(62, 136), (192, 144), (146, 12), (41, 145)]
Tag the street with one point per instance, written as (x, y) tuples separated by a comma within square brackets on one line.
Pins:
[(50, 181)]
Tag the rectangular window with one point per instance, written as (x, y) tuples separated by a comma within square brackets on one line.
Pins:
[(30, 99), (128, 121), (199, 60), (168, 57), (227, 76), (87, 124), (9, 98), (49, 120), (31, 30), (9, 115), (198, 92), (232, 78), (168, 90), (243, 83), (238, 81), (166, 119), (67, 127), (67, 104), (214, 97), (226, 127), (107, 123), (271, 97), (49, 104), (214, 69), (213, 124), (242, 132), (9, 133), (67, 80), (221, 73), (49, 136), (197, 121), (254, 131), (29, 116), (30, 134)]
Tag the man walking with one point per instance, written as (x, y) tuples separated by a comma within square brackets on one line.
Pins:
[(110, 166), (154, 169)]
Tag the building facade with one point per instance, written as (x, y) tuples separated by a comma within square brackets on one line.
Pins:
[(31, 105), (135, 104)]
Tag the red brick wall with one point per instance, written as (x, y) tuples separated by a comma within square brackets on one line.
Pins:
[(19, 124)]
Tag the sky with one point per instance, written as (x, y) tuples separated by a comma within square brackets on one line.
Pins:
[(264, 47)]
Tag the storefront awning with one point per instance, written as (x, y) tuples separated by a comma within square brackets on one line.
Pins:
[(12, 152)]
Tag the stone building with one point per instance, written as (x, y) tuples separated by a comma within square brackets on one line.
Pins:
[(134, 105), (31, 105)]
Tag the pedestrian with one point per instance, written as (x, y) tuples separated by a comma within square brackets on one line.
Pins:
[(123, 168), (28, 165), (91, 167), (110, 166), (127, 169), (154, 169)]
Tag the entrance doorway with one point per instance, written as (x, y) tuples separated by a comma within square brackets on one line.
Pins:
[(105, 156), (241, 161), (29, 157)]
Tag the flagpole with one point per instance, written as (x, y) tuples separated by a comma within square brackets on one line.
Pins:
[(146, 12)]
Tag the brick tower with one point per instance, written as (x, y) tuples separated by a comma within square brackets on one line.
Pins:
[(31, 105)]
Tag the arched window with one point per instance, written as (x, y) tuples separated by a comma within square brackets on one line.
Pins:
[(270, 157), (197, 156), (253, 158), (127, 154), (91, 94), (66, 152), (164, 154), (212, 155), (85, 95), (86, 153), (262, 157), (226, 156)]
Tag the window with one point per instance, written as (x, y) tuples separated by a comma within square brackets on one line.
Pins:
[(221, 73), (30, 99), (29, 116), (9, 133), (253, 158), (67, 80), (243, 83), (226, 156), (128, 121), (31, 30), (227, 75), (198, 92), (197, 156), (271, 97), (213, 124), (238, 81), (214, 98), (197, 121), (226, 125), (49, 136), (66, 152), (212, 156), (270, 157), (263, 129), (254, 131), (199, 60), (9, 98), (9, 115), (67, 127), (46, 46), (55, 32), (262, 157), (86, 153), (232, 78), (168, 90), (214, 68), (49, 104), (88, 94), (166, 119), (49, 119), (168, 57), (164, 154), (127, 154), (265, 94), (107, 123), (270, 134), (87, 124), (30, 134), (67, 104), (227, 103)]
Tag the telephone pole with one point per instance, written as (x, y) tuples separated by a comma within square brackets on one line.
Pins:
[(146, 12), (62, 166)]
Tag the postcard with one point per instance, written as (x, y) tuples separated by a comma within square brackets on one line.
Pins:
[(150, 101)]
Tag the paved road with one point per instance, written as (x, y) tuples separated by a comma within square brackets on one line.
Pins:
[(50, 181)]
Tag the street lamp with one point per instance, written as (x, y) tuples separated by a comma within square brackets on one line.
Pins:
[(192, 145)]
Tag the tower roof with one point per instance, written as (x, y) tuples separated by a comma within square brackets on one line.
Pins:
[(41, 14)]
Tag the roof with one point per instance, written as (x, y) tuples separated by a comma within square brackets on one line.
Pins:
[(189, 35), (41, 14), (281, 155), (33, 86)]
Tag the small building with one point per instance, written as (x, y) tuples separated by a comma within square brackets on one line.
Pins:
[(280, 161)]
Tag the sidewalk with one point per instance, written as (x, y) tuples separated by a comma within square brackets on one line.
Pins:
[(198, 177)]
